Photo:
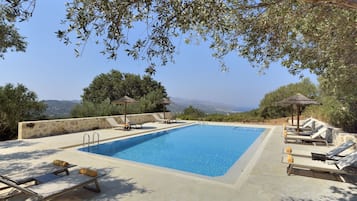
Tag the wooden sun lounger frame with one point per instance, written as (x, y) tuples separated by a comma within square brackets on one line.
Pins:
[(169, 118), (133, 124), (31, 190), (313, 138), (333, 154), (34, 176), (306, 122), (332, 167), (114, 124), (157, 118)]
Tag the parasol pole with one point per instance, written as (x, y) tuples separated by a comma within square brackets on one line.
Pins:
[(292, 114), (298, 119), (125, 113)]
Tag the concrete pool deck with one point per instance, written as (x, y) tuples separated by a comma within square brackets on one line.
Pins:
[(263, 178)]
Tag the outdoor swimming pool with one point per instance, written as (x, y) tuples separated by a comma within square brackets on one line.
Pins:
[(208, 150)]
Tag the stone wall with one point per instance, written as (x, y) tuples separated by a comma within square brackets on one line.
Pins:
[(44, 128)]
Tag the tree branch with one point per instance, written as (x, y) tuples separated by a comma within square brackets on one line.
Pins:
[(340, 3), (261, 5)]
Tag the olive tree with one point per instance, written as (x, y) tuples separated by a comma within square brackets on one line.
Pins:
[(268, 106), (105, 88), (11, 12), (307, 34), (17, 104), (114, 85), (91, 109), (340, 98)]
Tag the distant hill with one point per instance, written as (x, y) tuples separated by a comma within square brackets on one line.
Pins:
[(59, 108), (179, 104), (62, 108)]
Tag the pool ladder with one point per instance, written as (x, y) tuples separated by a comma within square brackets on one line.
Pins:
[(87, 142)]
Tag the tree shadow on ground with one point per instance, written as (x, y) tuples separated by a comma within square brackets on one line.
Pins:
[(146, 127), (295, 199), (339, 194), (28, 155), (317, 174), (19, 161), (352, 179), (16, 143), (112, 188), (345, 194)]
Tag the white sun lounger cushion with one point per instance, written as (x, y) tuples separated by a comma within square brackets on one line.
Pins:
[(61, 185)]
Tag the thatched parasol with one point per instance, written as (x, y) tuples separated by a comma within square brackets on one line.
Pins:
[(124, 100), (298, 100)]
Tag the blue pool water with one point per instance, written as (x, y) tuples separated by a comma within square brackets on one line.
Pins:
[(201, 149)]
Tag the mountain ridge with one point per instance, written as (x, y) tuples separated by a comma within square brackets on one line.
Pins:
[(205, 106), (62, 108)]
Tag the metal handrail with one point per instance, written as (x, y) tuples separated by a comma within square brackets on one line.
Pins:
[(95, 139), (86, 136), (95, 134)]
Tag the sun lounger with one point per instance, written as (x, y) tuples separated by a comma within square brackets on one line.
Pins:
[(58, 186), (344, 166), (333, 154), (312, 125), (157, 118), (306, 132), (133, 124), (114, 124), (316, 137), (37, 173), (305, 124), (168, 116)]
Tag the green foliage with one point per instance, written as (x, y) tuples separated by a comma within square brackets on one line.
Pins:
[(338, 100), (115, 85), (151, 102), (340, 97), (90, 109), (10, 13), (268, 105), (106, 88), (301, 34), (191, 113), (334, 112), (17, 104)]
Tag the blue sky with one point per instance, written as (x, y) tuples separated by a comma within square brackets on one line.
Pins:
[(51, 70)]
